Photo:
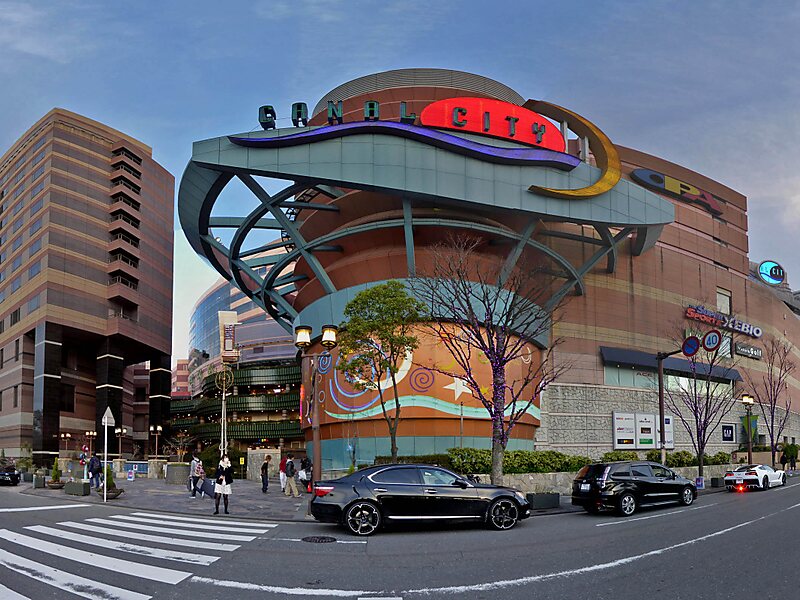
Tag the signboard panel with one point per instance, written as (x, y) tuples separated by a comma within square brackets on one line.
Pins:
[(728, 432), (748, 351), (669, 432), (624, 431), (645, 431)]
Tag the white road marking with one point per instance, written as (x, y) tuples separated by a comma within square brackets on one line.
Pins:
[(188, 557), (97, 561), (507, 583), (203, 521), (277, 539), (9, 594), (80, 586), (276, 589), (185, 525), (663, 514), (35, 508), (193, 534), (158, 539)]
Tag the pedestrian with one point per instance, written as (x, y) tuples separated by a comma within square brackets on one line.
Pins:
[(265, 473), (784, 460), (194, 472), (201, 478), (282, 473), (291, 471), (793, 460), (222, 487), (94, 470)]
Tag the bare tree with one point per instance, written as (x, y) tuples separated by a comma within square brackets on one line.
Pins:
[(769, 387), (479, 311), (705, 396)]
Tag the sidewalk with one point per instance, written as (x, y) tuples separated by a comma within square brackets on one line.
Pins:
[(246, 501)]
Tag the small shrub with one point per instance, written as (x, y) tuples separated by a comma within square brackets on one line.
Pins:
[(653, 456), (55, 473), (109, 478), (619, 455), (442, 460), (470, 460), (681, 459), (720, 458)]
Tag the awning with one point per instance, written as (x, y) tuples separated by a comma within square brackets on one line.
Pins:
[(647, 360)]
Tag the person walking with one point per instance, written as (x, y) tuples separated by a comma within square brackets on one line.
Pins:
[(222, 487), (291, 471), (793, 460), (282, 473), (784, 460), (94, 470), (194, 473), (265, 473), (201, 479)]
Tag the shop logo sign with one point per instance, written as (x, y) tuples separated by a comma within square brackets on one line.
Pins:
[(677, 189), (748, 351), (771, 273), (715, 319)]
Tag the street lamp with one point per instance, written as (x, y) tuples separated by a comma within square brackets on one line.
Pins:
[(748, 402), (224, 380), (121, 432), (65, 437), (90, 435), (302, 339), (156, 431), (660, 356)]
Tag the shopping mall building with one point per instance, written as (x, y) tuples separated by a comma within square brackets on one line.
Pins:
[(383, 167)]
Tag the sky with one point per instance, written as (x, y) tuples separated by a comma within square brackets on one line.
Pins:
[(713, 86)]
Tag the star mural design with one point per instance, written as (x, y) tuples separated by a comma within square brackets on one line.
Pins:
[(459, 387)]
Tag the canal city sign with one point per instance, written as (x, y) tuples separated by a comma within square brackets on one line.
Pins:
[(715, 319)]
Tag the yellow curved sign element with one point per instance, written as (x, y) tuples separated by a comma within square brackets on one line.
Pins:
[(605, 154)]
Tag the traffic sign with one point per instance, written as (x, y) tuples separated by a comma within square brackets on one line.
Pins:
[(108, 418), (131, 475), (690, 345), (712, 340)]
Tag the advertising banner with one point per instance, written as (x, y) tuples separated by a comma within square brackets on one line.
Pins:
[(728, 432), (645, 431), (669, 432), (624, 431)]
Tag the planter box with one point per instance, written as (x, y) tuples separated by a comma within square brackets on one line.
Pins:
[(55, 485), (27, 477), (717, 482), (77, 488), (110, 494), (544, 500), (38, 482)]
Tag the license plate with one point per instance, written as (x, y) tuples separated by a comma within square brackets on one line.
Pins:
[(584, 487), (739, 481)]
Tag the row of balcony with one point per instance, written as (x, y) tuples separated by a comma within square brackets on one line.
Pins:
[(254, 376), (249, 430), (260, 403)]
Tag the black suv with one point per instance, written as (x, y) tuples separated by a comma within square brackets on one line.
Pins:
[(626, 485)]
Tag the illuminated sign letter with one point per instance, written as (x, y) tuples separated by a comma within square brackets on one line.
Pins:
[(487, 123), (299, 114), (372, 110), (512, 125), (405, 117), (538, 131), (335, 112), (266, 116), (459, 112)]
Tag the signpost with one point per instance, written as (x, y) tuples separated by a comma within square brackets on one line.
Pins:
[(107, 421), (131, 475), (712, 340)]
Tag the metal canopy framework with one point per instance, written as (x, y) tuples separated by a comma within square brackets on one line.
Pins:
[(362, 162)]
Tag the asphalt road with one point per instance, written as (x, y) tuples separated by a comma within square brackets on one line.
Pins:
[(724, 546)]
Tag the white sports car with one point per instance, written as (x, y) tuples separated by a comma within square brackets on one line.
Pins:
[(760, 477)]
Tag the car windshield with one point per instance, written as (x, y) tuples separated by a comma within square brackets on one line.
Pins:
[(747, 468)]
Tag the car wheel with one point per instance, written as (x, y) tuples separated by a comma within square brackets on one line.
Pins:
[(592, 509), (687, 496), (627, 505), (503, 514), (362, 518), (783, 479), (765, 483)]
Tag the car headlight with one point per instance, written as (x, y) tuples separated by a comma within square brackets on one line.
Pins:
[(520, 496)]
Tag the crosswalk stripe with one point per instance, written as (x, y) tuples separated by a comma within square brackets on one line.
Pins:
[(184, 525), (194, 558), (158, 539), (9, 594), (194, 534), (203, 521), (38, 508), (80, 586), (99, 561)]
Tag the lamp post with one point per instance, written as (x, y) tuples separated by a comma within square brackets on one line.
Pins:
[(224, 380), (66, 437), (748, 402), (120, 432), (302, 339), (156, 431), (90, 435), (660, 356)]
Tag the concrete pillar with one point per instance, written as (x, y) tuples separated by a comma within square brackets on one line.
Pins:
[(46, 392), (110, 368), (160, 386)]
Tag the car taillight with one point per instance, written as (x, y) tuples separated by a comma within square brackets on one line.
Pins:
[(740, 488), (322, 490), (751, 473), (728, 474)]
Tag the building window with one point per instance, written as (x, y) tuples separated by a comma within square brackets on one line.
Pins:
[(2, 358), (37, 206), (16, 396), (725, 346), (724, 301), (37, 188), (14, 318), (34, 269), (67, 397), (16, 263), (33, 304), (17, 225), (35, 226), (16, 243), (15, 285), (16, 350)]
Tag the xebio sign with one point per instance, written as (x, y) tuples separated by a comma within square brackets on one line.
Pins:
[(495, 118)]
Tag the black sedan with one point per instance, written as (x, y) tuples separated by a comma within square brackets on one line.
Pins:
[(9, 475), (364, 500)]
